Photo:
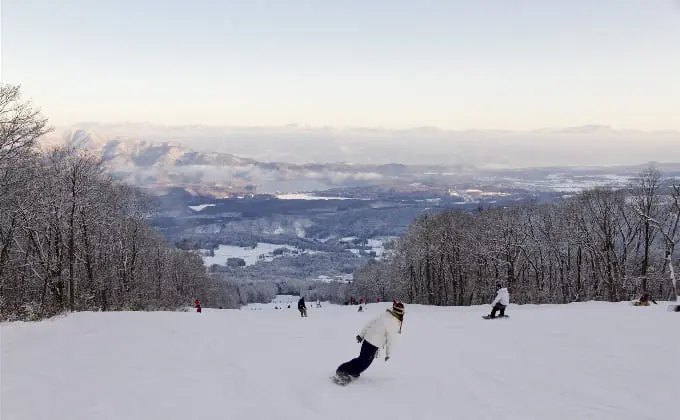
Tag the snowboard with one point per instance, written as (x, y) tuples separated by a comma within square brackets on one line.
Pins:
[(674, 308), (488, 317), (341, 380)]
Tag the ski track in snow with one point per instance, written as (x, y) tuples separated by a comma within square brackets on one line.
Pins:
[(579, 361)]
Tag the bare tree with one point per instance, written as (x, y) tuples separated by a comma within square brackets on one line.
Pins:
[(669, 226), (71, 238), (74, 239), (20, 124), (591, 246), (646, 203)]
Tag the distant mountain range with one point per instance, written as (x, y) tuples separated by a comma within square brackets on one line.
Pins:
[(164, 164), (590, 145), (160, 158)]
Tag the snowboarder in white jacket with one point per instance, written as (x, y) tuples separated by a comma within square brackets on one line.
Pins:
[(501, 301), (379, 332)]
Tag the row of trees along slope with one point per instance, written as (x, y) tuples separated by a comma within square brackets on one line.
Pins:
[(72, 238), (602, 244)]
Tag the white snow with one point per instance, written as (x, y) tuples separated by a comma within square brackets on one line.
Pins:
[(579, 361), (262, 252), (567, 183), (376, 245), (280, 301), (302, 196), (342, 278), (201, 207)]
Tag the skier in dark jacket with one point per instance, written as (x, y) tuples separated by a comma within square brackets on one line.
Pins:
[(644, 300), (302, 307)]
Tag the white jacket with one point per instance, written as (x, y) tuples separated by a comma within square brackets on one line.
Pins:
[(381, 331), (502, 296)]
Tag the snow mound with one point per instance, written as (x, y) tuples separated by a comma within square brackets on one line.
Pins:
[(579, 361), (201, 207)]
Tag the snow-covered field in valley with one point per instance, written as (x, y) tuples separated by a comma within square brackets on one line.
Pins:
[(579, 361), (262, 252)]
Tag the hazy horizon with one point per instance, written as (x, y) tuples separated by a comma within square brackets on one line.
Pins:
[(569, 146), (454, 65), (295, 125)]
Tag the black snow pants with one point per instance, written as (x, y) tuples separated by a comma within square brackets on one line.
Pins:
[(359, 364), (498, 307)]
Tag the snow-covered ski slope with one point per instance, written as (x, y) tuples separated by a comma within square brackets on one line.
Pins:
[(579, 361)]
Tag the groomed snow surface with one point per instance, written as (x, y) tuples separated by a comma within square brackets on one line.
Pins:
[(578, 361)]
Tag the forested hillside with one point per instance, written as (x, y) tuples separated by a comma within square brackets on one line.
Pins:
[(72, 238), (602, 244)]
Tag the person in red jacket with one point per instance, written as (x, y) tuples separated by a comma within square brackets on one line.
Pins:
[(197, 304)]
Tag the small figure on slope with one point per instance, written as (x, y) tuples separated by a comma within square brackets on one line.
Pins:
[(380, 331), (197, 304), (501, 301), (644, 300), (302, 307)]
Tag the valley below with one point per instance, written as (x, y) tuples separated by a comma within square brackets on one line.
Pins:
[(280, 227)]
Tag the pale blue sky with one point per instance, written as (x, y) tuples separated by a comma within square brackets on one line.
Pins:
[(457, 64)]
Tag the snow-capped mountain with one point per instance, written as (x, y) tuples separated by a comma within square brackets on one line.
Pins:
[(592, 145), (163, 164), (160, 161), (123, 151)]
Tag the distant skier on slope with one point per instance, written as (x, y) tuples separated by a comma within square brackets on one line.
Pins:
[(501, 301), (379, 332), (197, 305), (644, 300), (302, 307)]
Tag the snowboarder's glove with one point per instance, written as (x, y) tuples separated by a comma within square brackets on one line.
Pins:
[(359, 339), (387, 358)]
